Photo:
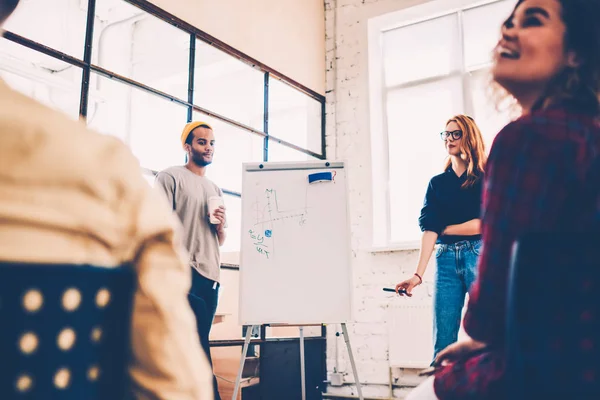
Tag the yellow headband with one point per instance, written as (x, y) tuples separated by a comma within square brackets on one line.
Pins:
[(190, 127)]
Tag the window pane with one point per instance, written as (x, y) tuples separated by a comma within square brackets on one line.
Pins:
[(280, 152), (108, 107), (44, 78), (142, 47), (488, 118), (294, 116), (482, 31), (233, 146), (233, 207), (149, 178), (149, 124), (422, 50), (228, 86), (416, 116), (156, 126), (59, 24)]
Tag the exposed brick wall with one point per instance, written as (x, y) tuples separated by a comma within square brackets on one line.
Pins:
[(348, 139)]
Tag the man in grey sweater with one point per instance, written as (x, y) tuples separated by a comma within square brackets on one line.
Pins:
[(188, 191)]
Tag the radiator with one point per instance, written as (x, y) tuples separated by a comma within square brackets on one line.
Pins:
[(410, 334)]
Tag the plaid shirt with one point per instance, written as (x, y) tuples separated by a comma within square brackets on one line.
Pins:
[(543, 174)]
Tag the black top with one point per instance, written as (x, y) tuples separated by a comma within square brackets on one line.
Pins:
[(447, 203)]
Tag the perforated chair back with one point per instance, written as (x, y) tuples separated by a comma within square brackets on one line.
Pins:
[(64, 331)]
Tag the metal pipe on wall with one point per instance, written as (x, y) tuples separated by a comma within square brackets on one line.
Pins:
[(103, 49), (390, 395)]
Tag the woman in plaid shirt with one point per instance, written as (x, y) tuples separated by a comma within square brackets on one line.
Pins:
[(543, 174)]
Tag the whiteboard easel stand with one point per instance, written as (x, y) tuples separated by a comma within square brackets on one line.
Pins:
[(238, 379), (352, 363), (305, 204), (302, 366)]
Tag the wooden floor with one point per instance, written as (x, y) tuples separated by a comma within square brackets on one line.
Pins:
[(226, 361)]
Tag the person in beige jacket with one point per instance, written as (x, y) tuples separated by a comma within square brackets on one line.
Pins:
[(69, 195)]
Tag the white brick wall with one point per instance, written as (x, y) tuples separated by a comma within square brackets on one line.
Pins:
[(348, 139)]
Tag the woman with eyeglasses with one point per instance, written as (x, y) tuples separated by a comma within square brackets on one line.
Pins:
[(450, 218), (543, 175)]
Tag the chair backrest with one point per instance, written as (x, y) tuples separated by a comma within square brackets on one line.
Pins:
[(553, 318), (64, 331)]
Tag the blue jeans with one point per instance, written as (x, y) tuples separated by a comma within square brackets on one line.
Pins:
[(456, 272)]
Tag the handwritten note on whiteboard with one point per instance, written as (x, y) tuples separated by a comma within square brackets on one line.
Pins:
[(267, 213)]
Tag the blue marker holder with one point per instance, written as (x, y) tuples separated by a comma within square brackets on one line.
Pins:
[(320, 177)]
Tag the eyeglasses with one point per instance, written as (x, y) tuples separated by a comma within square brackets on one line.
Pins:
[(455, 135)]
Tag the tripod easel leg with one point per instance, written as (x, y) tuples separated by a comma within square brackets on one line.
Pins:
[(354, 371), (238, 379), (302, 371)]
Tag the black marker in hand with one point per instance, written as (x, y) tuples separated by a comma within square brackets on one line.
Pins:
[(385, 289)]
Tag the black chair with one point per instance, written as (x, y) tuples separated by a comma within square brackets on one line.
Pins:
[(64, 331), (553, 318)]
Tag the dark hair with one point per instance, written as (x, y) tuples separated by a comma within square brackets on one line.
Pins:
[(6, 8), (190, 136), (578, 86)]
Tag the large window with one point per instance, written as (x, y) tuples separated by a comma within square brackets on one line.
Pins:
[(294, 117), (58, 24), (228, 86), (138, 73), (427, 63), (51, 81)]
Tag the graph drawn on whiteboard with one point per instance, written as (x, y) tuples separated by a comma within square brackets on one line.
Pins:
[(295, 253), (269, 210)]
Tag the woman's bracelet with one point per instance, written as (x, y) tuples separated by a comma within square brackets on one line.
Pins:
[(420, 279)]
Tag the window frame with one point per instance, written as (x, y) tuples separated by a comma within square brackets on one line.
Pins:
[(87, 67), (377, 27), (269, 73)]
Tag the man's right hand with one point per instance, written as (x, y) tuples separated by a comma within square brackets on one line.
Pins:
[(408, 285)]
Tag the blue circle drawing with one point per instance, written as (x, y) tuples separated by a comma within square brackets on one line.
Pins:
[(268, 233)]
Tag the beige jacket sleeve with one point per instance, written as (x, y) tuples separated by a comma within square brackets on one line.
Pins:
[(169, 363), (80, 197)]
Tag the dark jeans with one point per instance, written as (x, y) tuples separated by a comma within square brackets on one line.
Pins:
[(203, 299)]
